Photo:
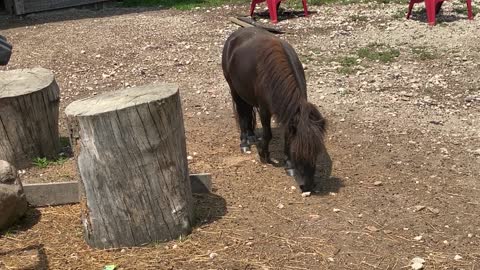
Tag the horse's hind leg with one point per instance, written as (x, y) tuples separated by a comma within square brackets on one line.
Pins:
[(246, 120), (263, 152)]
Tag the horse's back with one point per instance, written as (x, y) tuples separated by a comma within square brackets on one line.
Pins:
[(251, 56), (240, 59)]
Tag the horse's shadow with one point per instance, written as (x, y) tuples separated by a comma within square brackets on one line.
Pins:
[(325, 183)]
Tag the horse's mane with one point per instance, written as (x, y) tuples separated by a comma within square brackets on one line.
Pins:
[(278, 77)]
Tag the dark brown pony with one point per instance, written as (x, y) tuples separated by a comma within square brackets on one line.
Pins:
[(265, 75)]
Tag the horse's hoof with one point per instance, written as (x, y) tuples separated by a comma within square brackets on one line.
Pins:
[(245, 149), (290, 172), (252, 140), (265, 160)]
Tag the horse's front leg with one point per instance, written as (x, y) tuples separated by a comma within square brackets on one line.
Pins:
[(286, 149), (263, 151)]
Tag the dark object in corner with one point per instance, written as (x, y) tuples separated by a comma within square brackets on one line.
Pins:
[(5, 51)]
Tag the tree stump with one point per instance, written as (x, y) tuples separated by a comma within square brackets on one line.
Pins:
[(29, 100), (132, 160)]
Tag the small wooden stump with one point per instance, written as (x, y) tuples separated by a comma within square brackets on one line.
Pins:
[(132, 160), (29, 100)]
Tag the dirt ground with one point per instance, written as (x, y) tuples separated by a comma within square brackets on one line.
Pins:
[(404, 137)]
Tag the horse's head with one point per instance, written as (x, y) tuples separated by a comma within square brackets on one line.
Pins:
[(306, 141)]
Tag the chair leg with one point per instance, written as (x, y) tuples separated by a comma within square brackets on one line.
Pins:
[(410, 7), (469, 9), (305, 9), (272, 10), (430, 7), (252, 7)]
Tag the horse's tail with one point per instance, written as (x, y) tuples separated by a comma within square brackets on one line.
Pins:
[(309, 127)]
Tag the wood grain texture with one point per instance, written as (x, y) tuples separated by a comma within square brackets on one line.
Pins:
[(29, 6), (29, 110), (131, 157)]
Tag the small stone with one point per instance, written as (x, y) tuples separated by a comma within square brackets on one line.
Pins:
[(418, 238), (418, 208), (342, 120), (212, 255), (190, 158), (249, 243), (446, 242), (469, 235), (377, 183), (433, 210), (387, 231), (82, 51), (417, 266), (336, 210), (97, 56), (372, 228), (280, 206), (457, 257), (314, 216), (175, 246), (123, 250), (293, 188), (417, 263), (306, 194), (330, 259)]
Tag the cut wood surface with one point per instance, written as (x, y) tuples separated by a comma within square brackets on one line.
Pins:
[(29, 108), (131, 156)]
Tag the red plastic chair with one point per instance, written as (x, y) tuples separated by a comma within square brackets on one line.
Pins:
[(273, 7), (433, 7)]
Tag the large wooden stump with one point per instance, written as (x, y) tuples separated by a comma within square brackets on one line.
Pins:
[(29, 100), (131, 156)]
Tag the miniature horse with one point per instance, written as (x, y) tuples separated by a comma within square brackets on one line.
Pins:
[(265, 75)]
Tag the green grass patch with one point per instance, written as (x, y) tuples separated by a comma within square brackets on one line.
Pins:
[(463, 9), (378, 52), (179, 4), (349, 65), (358, 18), (423, 53), (43, 162), (400, 14)]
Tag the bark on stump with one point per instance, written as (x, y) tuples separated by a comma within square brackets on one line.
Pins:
[(29, 100), (132, 160)]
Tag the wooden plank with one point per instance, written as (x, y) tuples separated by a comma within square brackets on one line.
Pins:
[(42, 194), (29, 6), (50, 194), (249, 22)]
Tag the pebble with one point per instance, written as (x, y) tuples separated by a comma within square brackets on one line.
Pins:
[(175, 246), (457, 257), (212, 255), (336, 210), (372, 228), (280, 206), (377, 183), (190, 158), (306, 194), (418, 238), (418, 208), (417, 263)]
